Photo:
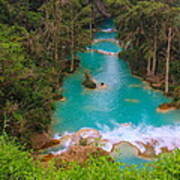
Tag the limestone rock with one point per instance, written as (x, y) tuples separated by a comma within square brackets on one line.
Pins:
[(164, 108), (42, 141), (80, 154), (89, 82)]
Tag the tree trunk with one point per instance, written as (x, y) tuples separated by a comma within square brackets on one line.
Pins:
[(91, 22), (149, 66), (154, 56), (102, 9), (168, 60), (72, 48), (55, 49)]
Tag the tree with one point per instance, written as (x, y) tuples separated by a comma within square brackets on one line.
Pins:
[(172, 28), (150, 29), (77, 20)]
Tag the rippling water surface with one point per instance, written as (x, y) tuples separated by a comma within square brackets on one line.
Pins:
[(127, 101)]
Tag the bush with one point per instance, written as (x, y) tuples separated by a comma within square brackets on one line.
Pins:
[(18, 164)]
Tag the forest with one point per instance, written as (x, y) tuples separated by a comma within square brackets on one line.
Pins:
[(39, 43), (35, 50)]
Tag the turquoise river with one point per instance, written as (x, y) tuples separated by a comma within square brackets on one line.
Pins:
[(123, 112)]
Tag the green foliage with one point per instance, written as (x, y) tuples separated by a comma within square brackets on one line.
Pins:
[(175, 71), (18, 164), (19, 12), (25, 91), (36, 38), (143, 32)]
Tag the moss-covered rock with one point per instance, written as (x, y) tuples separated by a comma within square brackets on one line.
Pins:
[(89, 82)]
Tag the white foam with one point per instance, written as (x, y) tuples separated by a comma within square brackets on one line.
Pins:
[(59, 136), (108, 30), (165, 136)]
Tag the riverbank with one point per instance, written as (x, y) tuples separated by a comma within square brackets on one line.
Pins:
[(156, 83), (153, 57), (87, 141)]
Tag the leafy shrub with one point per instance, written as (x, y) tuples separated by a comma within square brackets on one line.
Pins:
[(17, 164)]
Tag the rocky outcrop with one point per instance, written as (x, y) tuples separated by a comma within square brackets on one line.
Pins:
[(77, 153), (81, 137), (124, 148), (149, 152), (79, 146), (155, 82), (42, 141), (59, 97), (80, 154), (164, 108), (89, 82)]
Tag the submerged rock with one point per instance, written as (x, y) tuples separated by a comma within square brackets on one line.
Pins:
[(135, 85), (127, 149), (132, 100), (124, 149)]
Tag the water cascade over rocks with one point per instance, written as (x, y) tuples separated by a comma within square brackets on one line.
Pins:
[(119, 118)]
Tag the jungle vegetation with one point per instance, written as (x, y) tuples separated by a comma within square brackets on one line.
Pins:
[(149, 32), (38, 43), (39, 40), (18, 164)]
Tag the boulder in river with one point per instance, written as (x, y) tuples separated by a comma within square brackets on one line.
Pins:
[(89, 82), (124, 149)]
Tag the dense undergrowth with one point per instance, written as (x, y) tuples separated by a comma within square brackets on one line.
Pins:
[(18, 164), (38, 43)]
